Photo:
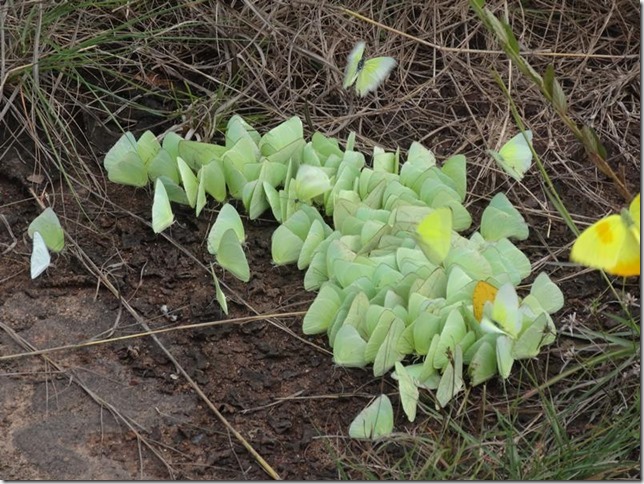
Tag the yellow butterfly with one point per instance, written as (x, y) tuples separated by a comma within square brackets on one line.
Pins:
[(483, 292), (434, 234), (612, 243)]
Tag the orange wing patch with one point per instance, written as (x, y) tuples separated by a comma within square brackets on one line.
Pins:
[(605, 232), (483, 292)]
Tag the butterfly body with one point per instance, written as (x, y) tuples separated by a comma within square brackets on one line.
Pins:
[(612, 243), (366, 74)]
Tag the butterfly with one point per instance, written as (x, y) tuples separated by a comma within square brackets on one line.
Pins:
[(47, 234), (162, 216), (124, 164), (230, 256), (348, 347), (49, 228), (224, 241), (501, 219), (375, 421), (435, 234), (612, 243), (367, 74), (408, 391), (451, 381), (483, 292), (515, 157)]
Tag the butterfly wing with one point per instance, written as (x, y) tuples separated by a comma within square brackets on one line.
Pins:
[(373, 72), (483, 292), (228, 218), (189, 181), (608, 244), (348, 348), (515, 157), (528, 344), (435, 233), (221, 297), (231, 257), (129, 170), (501, 219), (628, 258), (201, 192), (482, 366), (505, 311), (504, 358), (162, 216), (547, 293), (49, 228), (40, 258), (451, 381), (408, 391), (214, 180), (351, 71), (375, 421), (634, 211)]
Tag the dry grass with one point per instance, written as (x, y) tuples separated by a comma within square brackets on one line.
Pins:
[(272, 60)]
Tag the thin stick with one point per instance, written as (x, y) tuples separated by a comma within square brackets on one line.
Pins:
[(96, 342), (459, 50)]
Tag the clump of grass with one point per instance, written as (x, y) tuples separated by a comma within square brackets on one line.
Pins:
[(576, 430)]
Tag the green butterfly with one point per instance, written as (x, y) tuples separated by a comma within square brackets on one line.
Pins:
[(348, 348), (231, 257), (375, 421), (47, 234), (162, 216), (367, 75), (49, 228), (434, 234), (515, 157), (124, 164), (408, 391), (501, 219)]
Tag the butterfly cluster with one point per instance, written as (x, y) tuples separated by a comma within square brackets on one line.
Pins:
[(380, 244)]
